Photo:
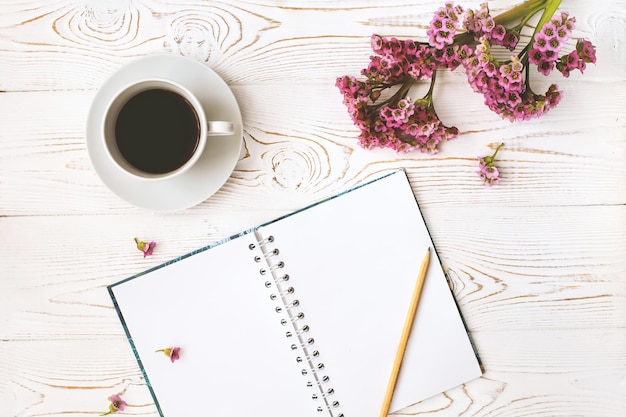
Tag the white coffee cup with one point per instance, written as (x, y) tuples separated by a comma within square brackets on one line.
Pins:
[(156, 128)]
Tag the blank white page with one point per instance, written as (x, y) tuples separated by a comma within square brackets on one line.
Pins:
[(353, 261), (234, 358)]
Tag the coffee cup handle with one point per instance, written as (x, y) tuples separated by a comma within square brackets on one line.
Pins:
[(219, 128)]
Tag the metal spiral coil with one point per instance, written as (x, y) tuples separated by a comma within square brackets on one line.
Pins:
[(292, 317)]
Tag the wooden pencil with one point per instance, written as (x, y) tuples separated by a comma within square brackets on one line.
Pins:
[(408, 323)]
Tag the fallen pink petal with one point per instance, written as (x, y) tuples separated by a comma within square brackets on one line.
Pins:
[(173, 353), (117, 404), (145, 247)]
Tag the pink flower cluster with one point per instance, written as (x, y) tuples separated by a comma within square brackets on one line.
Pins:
[(503, 84), (398, 123), (409, 126), (390, 119), (402, 126), (444, 25), (396, 60), (487, 169), (578, 59), (504, 87), (488, 172), (549, 41), (483, 25)]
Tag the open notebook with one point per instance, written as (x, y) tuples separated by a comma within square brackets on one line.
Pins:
[(300, 316)]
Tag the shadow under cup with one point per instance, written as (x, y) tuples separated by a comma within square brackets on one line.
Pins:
[(156, 129)]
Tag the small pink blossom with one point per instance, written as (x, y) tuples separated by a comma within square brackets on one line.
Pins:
[(146, 248), (173, 353), (487, 169), (541, 42), (549, 30), (444, 25), (584, 53), (117, 404), (548, 43)]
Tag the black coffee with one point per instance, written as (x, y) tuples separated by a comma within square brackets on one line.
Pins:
[(157, 131)]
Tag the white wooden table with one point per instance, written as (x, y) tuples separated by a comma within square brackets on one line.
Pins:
[(537, 262)]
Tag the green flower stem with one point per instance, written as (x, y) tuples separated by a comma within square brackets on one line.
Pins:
[(518, 28), (526, 11), (521, 11), (429, 95), (402, 92), (496, 152), (489, 159), (111, 410), (398, 95), (549, 11)]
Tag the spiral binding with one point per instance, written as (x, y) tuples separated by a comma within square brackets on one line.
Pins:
[(294, 320)]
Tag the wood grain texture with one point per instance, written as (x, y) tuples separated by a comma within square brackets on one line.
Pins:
[(537, 264), (313, 153), (245, 42)]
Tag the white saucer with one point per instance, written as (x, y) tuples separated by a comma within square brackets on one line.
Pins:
[(219, 158)]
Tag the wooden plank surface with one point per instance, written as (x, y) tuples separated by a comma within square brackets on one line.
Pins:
[(537, 263)]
